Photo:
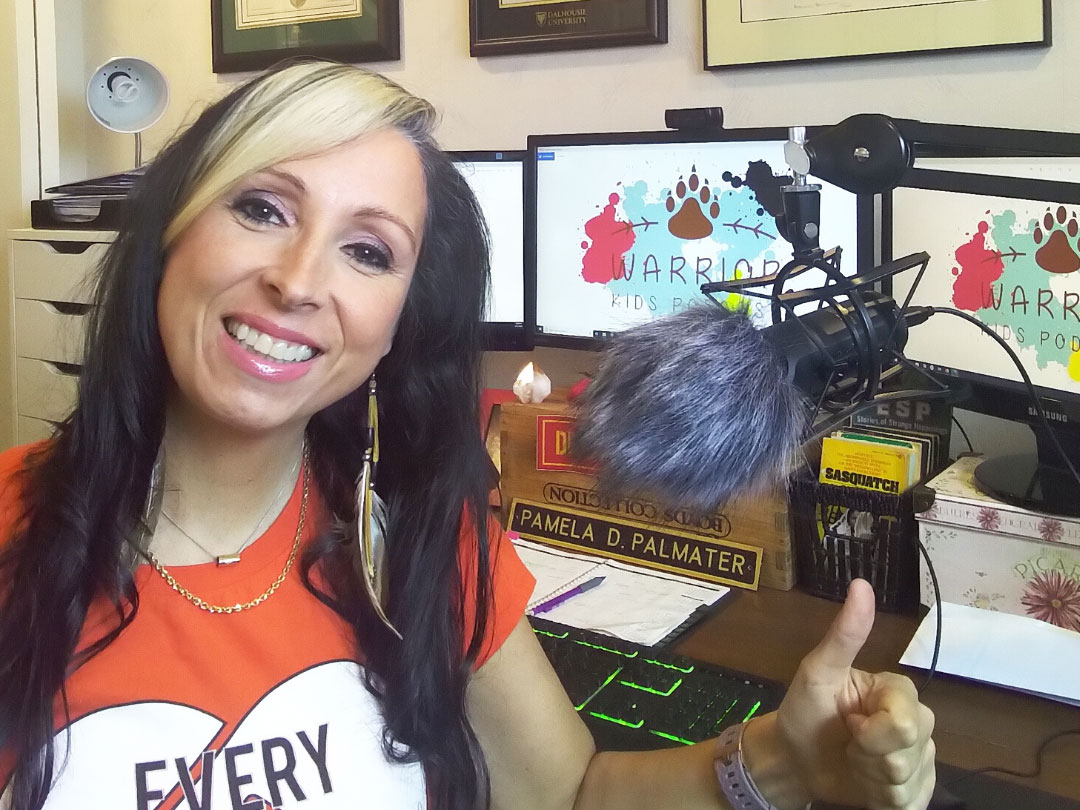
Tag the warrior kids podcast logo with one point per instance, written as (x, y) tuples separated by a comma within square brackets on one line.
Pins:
[(1015, 273), (654, 248)]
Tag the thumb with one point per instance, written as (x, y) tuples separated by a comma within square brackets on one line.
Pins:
[(848, 632)]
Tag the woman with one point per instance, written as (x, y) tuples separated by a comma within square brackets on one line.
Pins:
[(185, 602)]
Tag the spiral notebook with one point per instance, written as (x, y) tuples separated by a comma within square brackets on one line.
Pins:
[(636, 604)]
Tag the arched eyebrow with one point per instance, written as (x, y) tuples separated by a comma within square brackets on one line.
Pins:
[(363, 212)]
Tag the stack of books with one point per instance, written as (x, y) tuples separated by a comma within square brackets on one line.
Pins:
[(877, 459)]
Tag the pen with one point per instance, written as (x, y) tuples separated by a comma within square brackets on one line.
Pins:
[(555, 601)]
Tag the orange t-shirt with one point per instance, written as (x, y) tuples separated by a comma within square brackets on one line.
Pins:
[(255, 709)]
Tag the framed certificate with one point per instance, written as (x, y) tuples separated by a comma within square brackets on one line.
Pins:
[(769, 32), (528, 26), (254, 34)]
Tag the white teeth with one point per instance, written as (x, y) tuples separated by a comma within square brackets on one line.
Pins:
[(264, 344)]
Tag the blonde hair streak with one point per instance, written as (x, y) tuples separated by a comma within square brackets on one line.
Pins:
[(297, 111)]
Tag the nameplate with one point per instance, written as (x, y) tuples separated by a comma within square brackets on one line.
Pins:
[(708, 558)]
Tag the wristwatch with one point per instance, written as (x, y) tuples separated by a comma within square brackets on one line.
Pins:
[(734, 779)]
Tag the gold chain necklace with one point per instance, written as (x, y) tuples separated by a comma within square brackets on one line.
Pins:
[(202, 604)]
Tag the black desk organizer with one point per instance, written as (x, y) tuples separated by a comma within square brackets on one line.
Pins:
[(832, 547), (111, 215)]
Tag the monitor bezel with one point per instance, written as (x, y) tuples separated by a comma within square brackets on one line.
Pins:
[(994, 396), (507, 336), (866, 250)]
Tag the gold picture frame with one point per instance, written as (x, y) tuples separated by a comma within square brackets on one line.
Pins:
[(255, 34), (530, 26), (740, 33)]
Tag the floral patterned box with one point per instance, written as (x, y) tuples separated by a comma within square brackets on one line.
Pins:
[(996, 556)]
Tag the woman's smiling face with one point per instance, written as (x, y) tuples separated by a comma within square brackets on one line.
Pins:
[(283, 295)]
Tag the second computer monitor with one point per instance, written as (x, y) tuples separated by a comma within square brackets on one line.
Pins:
[(497, 180), (628, 226), (1005, 251)]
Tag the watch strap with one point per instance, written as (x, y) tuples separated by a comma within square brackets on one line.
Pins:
[(735, 781)]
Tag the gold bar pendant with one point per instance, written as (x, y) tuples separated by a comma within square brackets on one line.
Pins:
[(228, 559)]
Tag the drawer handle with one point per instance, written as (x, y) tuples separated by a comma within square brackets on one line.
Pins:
[(66, 369), (69, 307), (70, 248)]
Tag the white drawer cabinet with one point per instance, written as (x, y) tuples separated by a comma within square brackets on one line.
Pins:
[(45, 390), (44, 331), (49, 293), (28, 429), (45, 274)]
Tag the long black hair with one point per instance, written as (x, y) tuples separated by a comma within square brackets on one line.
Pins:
[(82, 493)]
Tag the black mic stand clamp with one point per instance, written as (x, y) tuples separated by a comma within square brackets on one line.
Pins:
[(800, 223)]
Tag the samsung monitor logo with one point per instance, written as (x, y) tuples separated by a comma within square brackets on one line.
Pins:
[(1052, 416)]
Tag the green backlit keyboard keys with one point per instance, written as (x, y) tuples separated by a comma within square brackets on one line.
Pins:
[(634, 697)]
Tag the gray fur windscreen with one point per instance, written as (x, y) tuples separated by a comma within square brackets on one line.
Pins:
[(691, 409)]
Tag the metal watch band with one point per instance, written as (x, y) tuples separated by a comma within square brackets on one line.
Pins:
[(735, 782)]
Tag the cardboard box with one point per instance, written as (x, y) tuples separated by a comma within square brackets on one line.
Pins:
[(996, 556), (561, 497)]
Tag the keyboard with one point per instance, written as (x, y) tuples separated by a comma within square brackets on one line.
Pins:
[(637, 698)]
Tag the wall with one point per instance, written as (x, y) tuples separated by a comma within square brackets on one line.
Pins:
[(18, 178), (10, 213), (612, 89), (496, 102)]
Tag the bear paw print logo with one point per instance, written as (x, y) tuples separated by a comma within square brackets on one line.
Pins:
[(693, 199), (1056, 240)]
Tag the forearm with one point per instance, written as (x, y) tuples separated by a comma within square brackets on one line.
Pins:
[(674, 777), (685, 777)]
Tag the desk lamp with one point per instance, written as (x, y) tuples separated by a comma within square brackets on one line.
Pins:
[(129, 95)]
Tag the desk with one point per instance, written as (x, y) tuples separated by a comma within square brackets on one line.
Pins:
[(768, 632)]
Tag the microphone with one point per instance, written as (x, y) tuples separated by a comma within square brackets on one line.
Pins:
[(833, 345), (701, 406), (691, 409)]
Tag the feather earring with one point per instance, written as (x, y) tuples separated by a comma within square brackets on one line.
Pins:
[(147, 524), (371, 516)]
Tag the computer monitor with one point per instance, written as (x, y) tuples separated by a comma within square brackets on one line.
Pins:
[(1004, 250), (628, 226), (497, 180), (1036, 168)]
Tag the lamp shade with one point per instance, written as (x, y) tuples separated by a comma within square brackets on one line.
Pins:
[(127, 94)]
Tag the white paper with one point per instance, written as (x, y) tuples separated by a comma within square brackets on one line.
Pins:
[(263, 13), (553, 569), (1017, 652), (762, 10), (516, 3), (633, 603)]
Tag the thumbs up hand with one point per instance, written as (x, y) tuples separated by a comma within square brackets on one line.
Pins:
[(853, 737)]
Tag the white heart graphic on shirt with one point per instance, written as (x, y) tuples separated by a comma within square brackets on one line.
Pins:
[(315, 739)]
